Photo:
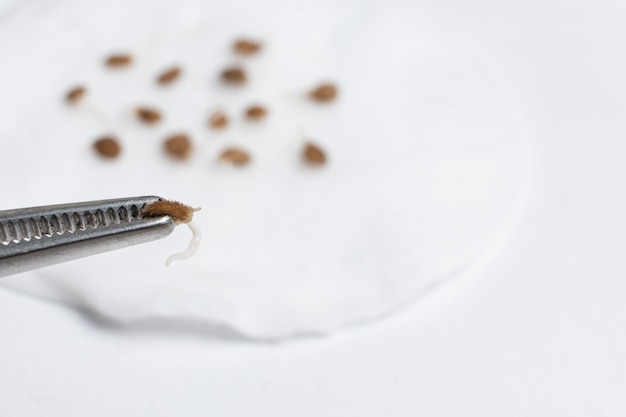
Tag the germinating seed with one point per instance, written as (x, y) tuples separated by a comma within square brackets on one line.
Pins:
[(179, 212)]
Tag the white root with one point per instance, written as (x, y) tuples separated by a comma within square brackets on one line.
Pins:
[(194, 243)]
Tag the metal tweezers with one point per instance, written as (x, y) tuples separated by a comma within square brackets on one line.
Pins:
[(36, 237)]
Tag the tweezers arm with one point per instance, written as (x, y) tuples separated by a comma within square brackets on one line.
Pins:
[(41, 236)]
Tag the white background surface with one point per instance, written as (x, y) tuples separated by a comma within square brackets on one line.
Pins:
[(539, 330), (428, 161)]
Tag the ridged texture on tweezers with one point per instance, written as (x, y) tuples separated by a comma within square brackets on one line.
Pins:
[(25, 229), (34, 237)]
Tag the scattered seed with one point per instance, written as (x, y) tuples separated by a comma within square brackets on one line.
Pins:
[(169, 76), (108, 147), (247, 47), (119, 61), (235, 156), (148, 116), (313, 154), (323, 93), (218, 120), (256, 113), (234, 75), (178, 146), (179, 212), (76, 94)]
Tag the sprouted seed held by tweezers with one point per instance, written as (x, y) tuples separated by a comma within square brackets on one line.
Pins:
[(180, 213)]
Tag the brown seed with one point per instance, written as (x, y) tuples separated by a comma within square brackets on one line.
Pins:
[(313, 154), (178, 146), (119, 61), (179, 212), (218, 120), (76, 94), (324, 93), (234, 75), (235, 156), (148, 116), (169, 76), (247, 47), (108, 147), (256, 113)]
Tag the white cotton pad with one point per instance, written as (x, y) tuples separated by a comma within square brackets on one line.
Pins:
[(426, 159)]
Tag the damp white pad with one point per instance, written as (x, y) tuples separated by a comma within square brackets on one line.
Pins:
[(426, 160)]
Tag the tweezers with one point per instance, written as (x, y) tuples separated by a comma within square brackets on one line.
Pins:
[(36, 237)]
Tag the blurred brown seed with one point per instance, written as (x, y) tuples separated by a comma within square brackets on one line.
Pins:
[(169, 76), (76, 94), (247, 47), (108, 147), (218, 120), (235, 156), (256, 113), (313, 154), (234, 75), (324, 93), (119, 61), (148, 116), (178, 146)]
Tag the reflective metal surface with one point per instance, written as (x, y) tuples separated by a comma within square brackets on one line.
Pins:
[(35, 237)]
